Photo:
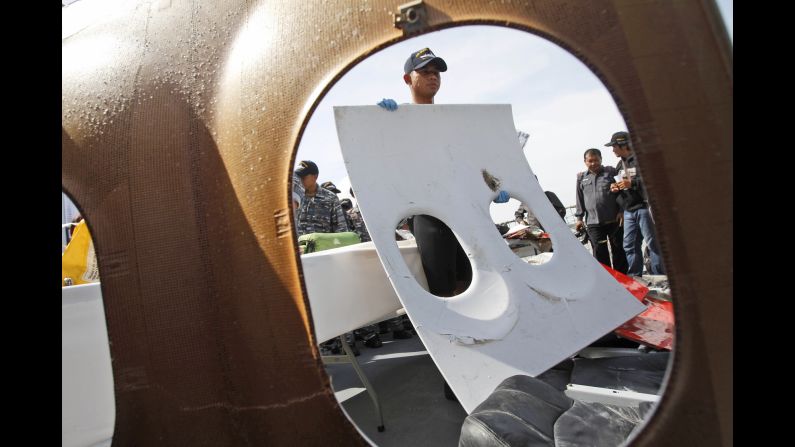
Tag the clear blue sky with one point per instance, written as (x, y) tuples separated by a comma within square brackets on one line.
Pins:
[(555, 98)]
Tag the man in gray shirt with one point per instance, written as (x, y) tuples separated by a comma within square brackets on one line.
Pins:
[(599, 212)]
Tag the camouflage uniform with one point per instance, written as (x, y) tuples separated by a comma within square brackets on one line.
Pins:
[(298, 189), (359, 227), (321, 213), (298, 196)]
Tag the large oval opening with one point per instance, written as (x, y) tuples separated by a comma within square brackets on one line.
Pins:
[(563, 110)]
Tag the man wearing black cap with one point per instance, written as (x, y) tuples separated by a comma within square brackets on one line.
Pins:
[(331, 187), (446, 266), (638, 223), (439, 250), (320, 210), (421, 73), (344, 203)]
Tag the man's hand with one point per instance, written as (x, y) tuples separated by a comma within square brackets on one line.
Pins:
[(502, 197), (623, 184), (620, 218), (388, 104), (579, 225)]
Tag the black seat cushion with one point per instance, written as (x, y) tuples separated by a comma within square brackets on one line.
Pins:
[(595, 424), (522, 411), (526, 411)]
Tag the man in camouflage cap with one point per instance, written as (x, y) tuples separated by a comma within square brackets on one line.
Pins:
[(331, 187), (320, 210)]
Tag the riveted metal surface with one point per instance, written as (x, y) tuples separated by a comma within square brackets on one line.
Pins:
[(180, 123)]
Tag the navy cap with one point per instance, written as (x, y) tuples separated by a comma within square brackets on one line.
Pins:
[(346, 204), (331, 187), (306, 167), (618, 138), (421, 58)]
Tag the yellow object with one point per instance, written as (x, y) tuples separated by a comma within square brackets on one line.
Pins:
[(79, 262)]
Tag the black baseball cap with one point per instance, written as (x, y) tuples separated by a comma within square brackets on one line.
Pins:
[(306, 167), (421, 58), (619, 138), (331, 187)]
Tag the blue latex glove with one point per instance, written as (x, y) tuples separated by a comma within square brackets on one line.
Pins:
[(502, 197), (388, 104)]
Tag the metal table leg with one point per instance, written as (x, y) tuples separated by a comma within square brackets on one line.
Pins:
[(363, 378)]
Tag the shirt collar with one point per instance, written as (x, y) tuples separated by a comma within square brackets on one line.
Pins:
[(601, 170)]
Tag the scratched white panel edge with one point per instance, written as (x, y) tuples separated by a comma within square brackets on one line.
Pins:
[(515, 318), (348, 288)]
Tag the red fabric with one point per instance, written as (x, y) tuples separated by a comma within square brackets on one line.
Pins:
[(655, 325), (637, 289)]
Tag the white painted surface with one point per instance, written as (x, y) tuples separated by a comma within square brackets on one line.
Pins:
[(608, 396), (515, 318), (348, 288), (87, 403)]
